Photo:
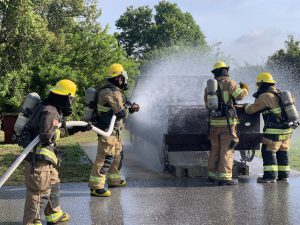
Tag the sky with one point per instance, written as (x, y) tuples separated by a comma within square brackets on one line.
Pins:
[(249, 30)]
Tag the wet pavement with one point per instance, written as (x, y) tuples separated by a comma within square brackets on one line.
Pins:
[(153, 198)]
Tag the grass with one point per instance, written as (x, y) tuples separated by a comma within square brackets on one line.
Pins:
[(294, 151), (75, 166)]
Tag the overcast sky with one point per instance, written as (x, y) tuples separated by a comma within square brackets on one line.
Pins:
[(250, 30)]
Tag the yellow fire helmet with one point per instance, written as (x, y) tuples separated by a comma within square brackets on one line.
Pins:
[(219, 65), (265, 77), (115, 70), (64, 87)]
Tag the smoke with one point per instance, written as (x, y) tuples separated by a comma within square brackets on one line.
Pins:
[(173, 80)]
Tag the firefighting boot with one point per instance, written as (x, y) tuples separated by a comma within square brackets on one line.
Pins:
[(282, 179), (121, 184), (65, 217), (228, 182), (211, 180), (263, 180), (100, 192)]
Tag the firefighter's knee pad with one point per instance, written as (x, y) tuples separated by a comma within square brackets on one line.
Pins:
[(108, 160), (44, 202), (121, 160), (282, 157), (269, 157), (55, 194)]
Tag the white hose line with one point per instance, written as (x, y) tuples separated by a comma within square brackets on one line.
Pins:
[(35, 141), (97, 130), (17, 162)]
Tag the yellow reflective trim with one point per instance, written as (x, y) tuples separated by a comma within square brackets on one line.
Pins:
[(278, 131), (37, 224), (48, 153), (57, 134), (212, 175), (237, 92), (97, 180), (225, 96), (271, 168), (225, 176), (283, 137), (284, 168), (54, 217), (247, 106), (276, 110), (102, 108), (233, 122), (114, 176)]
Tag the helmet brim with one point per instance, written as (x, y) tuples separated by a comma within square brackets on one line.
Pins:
[(60, 92), (220, 68), (123, 73), (266, 82)]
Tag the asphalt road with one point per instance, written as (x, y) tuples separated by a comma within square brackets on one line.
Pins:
[(153, 198)]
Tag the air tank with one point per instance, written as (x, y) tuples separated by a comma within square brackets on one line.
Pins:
[(212, 98), (31, 102), (289, 106), (89, 104)]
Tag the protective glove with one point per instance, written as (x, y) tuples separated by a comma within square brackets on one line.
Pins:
[(295, 125), (74, 130), (134, 108), (246, 105), (88, 127), (244, 86), (128, 104)]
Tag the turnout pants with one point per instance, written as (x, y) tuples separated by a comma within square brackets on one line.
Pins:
[(275, 156), (108, 163), (43, 191), (220, 161)]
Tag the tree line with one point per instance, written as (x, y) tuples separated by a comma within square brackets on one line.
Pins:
[(42, 41)]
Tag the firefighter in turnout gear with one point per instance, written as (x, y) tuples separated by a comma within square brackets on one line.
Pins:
[(111, 100), (41, 175), (222, 124), (276, 133)]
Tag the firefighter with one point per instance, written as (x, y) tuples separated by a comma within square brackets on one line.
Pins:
[(41, 175), (276, 132), (111, 100), (222, 122)]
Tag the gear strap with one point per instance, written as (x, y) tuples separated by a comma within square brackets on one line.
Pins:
[(226, 104), (276, 94)]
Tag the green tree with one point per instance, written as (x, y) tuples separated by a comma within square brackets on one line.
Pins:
[(44, 41), (173, 26), (287, 61), (23, 35), (141, 31), (136, 35)]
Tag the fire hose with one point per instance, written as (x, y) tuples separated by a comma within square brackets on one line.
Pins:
[(36, 140)]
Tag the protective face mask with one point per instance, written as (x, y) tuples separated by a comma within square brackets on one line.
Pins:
[(67, 110), (71, 100), (125, 81)]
